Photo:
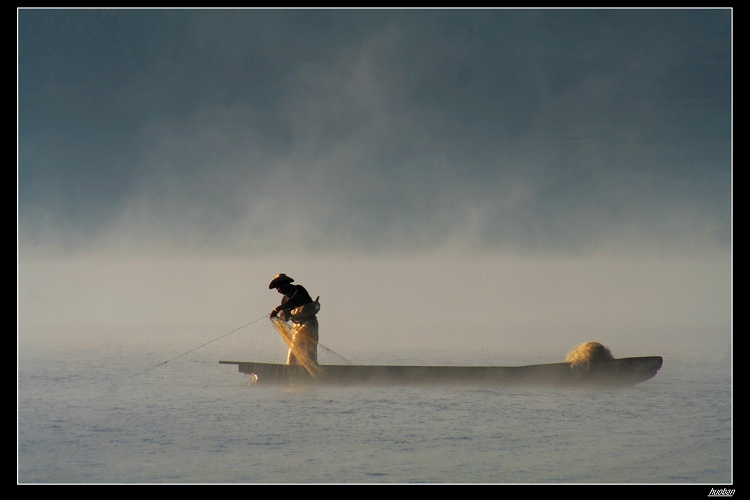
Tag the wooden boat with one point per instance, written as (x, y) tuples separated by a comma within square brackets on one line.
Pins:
[(612, 373)]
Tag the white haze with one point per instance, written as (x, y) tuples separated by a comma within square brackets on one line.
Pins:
[(502, 305)]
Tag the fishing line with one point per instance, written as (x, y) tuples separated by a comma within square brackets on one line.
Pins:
[(335, 353), (196, 348), (219, 338)]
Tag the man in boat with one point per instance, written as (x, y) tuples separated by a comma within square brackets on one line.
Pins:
[(297, 306)]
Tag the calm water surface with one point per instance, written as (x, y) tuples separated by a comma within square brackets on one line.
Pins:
[(106, 415)]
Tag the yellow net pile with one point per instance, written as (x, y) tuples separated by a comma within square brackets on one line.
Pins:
[(299, 352), (589, 352)]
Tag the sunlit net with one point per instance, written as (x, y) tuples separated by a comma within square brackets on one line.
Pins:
[(589, 352), (300, 353)]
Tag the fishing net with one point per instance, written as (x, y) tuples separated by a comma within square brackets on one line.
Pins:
[(589, 352), (297, 340)]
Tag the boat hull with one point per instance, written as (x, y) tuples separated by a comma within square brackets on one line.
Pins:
[(622, 372)]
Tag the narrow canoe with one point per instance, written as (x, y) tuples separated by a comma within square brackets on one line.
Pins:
[(614, 373)]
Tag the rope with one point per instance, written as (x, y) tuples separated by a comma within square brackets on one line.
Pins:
[(219, 338), (335, 354), (196, 348)]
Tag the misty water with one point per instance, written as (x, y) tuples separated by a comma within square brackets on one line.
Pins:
[(106, 414)]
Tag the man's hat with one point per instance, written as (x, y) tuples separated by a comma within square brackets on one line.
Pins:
[(278, 280)]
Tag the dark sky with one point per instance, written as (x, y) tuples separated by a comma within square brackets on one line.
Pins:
[(375, 131)]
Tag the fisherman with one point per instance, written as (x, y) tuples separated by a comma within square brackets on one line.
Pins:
[(297, 306)]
